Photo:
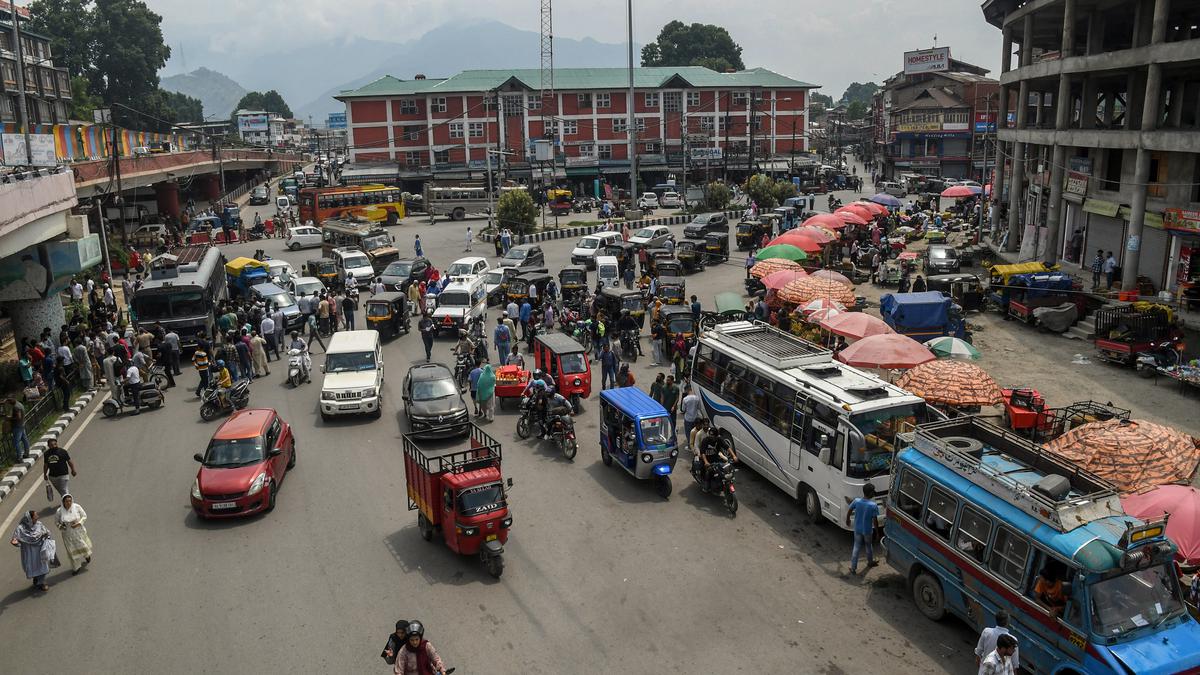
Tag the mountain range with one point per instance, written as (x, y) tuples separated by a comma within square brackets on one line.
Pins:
[(217, 92)]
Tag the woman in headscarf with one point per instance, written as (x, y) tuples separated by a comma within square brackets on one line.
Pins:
[(485, 392), (70, 518), (32, 537)]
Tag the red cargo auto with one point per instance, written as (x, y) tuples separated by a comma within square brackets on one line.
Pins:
[(244, 464)]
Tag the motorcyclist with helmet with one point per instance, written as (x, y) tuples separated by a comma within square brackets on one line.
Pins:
[(418, 657), (712, 453), (553, 405), (223, 381), (627, 324), (302, 346), (534, 394)]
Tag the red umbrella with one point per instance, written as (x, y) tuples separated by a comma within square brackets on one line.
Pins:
[(799, 240), (891, 350), (877, 209), (958, 191), (777, 280), (856, 325), (852, 216), (1182, 504), (825, 220), (820, 234), (858, 210)]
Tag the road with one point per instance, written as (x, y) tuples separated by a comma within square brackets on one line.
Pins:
[(601, 574)]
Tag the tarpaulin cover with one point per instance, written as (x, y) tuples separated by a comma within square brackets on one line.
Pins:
[(929, 309), (235, 266)]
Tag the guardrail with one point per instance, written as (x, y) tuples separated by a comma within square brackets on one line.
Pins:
[(48, 407)]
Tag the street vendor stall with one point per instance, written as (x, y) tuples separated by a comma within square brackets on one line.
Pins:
[(510, 382), (923, 316), (959, 386)]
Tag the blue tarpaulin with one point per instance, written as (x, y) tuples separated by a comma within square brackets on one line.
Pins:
[(915, 310)]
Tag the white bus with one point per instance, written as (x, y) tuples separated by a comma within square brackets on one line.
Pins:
[(816, 428), (458, 202), (183, 292)]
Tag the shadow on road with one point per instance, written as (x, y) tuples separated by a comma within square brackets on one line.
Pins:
[(622, 486), (433, 560)]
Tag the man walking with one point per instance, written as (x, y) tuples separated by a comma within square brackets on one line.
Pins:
[(1110, 269), (526, 314), (670, 394), (501, 336), (1097, 267), (469, 238), (171, 339), (267, 330), (691, 412), (864, 510), (989, 637), (608, 367), (57, 467), (427, 329), (1000, 661), (16, 423)]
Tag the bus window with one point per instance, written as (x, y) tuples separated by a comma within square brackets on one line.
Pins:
[(974, 530), (1051, 584), (939, 515), (1009, 554), (911, 494), (823, 423)]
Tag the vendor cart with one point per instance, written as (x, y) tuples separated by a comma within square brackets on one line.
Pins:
[(890, 273), (1124, 331), (510, 383), (1027, 292)]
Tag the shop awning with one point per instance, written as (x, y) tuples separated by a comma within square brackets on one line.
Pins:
[(582, 171), (1154, 220), (1101, 208)]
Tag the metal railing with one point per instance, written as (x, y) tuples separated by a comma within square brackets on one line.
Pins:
[(38, 417)]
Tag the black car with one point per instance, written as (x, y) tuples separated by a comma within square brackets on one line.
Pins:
[(705, 223), (523, 255), (941, 259), (400, 273), (433, 403)]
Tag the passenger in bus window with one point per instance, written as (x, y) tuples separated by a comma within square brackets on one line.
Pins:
[(1048, 590)]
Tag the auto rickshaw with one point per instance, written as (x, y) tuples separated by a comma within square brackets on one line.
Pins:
[(613, 301), (730, 307), (388, 313), (668, 268), (625, 253), (677, 321), (572, 282), (750, 232), (653, 257), (673, 290), (690, 255), (518, 287), (566, 361), (324, 269), (716, 246), (499, 294), (636, 432), (965, 289)]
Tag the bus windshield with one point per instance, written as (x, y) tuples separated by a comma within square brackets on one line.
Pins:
[(871, 455), (376, 241), (454, 299), (174, 305), (1143, 598)]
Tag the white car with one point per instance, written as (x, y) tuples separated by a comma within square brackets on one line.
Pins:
[(671, 200), (354, 261), (585, 249), (471, 266), (306, 285), (648, 200), (303, 236), (353, 371), (651, 237)]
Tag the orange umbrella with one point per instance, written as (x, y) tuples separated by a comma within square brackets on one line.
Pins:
[(777, 280), (825, 220), (802, 291), (890, 350), (853, 216), (799, 240), (953, 383), (1133, 455), (764, 267), (820, 234), (833, 276), (856, 325)]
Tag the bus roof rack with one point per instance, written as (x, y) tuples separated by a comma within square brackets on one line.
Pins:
[(1022, 473), (770, 345)]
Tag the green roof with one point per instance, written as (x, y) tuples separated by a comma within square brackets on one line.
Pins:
[(574, 79)]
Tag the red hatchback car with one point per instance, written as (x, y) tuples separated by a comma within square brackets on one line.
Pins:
[(244, 464)]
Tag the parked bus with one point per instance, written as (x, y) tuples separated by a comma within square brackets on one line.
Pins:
[(980, 520), (458, 202), (183, 291), (378, 203), (367, 236), (818, 429)]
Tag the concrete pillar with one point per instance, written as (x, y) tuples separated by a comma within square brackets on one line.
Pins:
[(1088, 101), (1134, 105), (29, 317), (1026, 40), (212, 188), (1016, 186), (166, 194), (1058, 160), (1175, 113), (1000, 156), (1006, 55)]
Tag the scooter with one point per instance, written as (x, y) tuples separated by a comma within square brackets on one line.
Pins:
[(722, 474), (297, 368), (236, 398), (1160, 355), (150, 394)]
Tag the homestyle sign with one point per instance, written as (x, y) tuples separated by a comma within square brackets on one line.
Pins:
[(927, 60)]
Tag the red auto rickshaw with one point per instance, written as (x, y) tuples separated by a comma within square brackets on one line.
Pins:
[(510, 383), (566, 361)]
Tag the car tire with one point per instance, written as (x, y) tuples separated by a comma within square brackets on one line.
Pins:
[(928, 596), (292, 460), (271, 497), (295, 246)]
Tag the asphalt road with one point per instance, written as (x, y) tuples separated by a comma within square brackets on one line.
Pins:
[(602, 574)]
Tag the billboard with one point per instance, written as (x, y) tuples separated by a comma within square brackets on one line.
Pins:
[(336, 120), (927, 60), (985, 122), (698, 154), (253, 122), (41, 150)]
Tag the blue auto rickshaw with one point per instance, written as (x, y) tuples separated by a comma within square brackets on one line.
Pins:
[(635, 431)]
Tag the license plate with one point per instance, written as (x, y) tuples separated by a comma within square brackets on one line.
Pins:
[(224, 505), (491, 537)]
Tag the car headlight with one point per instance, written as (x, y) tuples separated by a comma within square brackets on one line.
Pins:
[(196, 490), (507, 522), (674, 453), (368, 392), (646, 457), (327, 396), (257, 485)]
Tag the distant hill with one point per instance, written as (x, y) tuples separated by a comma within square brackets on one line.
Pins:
[(217, 92)]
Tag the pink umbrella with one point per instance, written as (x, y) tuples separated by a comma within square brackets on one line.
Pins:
[(891, 350), (877, 209), (819, 234), (852, 216), (777, 280), (822, 314), (820, 304), (799, 240), (825, 220), (857, 209), (833, 276), (1182, 504), (856, 325), (958, 191)]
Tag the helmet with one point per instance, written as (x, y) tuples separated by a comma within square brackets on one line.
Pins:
[(415, 628), (220, 363), (537, 373), (462, 333), (538, 384)]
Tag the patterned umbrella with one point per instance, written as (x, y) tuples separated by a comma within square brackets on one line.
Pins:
[(852, 216), (803, 291), (953, 383), (856, 325), (833, 276), (886, 199), (764, 267), (799, 240), (891, 350), (822, 314), (1133, 455), (777, 280), (1182, 503), (820, 304), (825, 220), (949, 347), (785, 251), (820, 234)]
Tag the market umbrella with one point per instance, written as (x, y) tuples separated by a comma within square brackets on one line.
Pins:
[(950, 347), (803, 291), (764, 267), (853, 217), (856, 325), (833, 276), (857, 209), (958, 191), (785, 251), (1182, 504), (799, 240), (820, 234), (820, 304), (885, 199), (1133, 455), (877, 209), (777, 280), (891, 350), (825, 220), (953, 383), (822, 314)]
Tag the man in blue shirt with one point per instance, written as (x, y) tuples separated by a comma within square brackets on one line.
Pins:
[(526, 313), (865, 511), (695, 308), (501, 336)]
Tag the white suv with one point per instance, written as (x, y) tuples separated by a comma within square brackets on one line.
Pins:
[(648, 200), (585, 249), (354, 261), (353, 374)]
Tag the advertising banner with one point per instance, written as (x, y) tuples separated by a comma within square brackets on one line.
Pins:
[(336, 120), (41, 150), (255, 122), (705, 153), (927, 60), (985, 122)]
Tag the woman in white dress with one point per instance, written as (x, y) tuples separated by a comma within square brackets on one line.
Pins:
[(70, 518)]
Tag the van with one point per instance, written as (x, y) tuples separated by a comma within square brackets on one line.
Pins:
[(608, 272), (585, 249), (462, 301), (353, 371), (893, 188), (352, 260)]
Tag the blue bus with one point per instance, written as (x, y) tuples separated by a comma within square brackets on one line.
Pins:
[(980, 520)]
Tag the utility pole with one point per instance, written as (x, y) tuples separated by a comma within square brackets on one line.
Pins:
[(751, 117), (116, 158), (632, 130), (22, 107)]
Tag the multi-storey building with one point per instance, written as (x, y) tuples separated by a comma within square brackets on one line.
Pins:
[(424, 128), (47, 88), (1102, 141)]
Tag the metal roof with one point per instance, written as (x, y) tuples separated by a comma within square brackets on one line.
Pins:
[(633, 401)]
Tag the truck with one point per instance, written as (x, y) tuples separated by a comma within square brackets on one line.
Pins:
[(459, 494), (1124, 331)]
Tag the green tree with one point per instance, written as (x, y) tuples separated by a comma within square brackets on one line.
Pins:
[(68, 25), (859, 91), (717, 196), (127, 51), (270, 101), (784, 190), (83, 101), (516, 211), (700, 44), (856, 110), (817, 97), (761, 189)]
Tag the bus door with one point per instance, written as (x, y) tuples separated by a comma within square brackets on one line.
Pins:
[(819, 441)]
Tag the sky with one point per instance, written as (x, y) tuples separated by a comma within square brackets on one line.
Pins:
[(826, 42)]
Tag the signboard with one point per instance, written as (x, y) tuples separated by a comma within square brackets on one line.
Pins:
[(985, 122), (254, 122), (919, 126), (697, 139), (1080, 165), (336, 120), (586, 160), (927, 60), (698, 154), (1076, 183), (1182, 219), (102, 115), (41, 150)]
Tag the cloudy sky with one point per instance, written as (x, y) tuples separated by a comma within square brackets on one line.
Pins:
[(829, 42)]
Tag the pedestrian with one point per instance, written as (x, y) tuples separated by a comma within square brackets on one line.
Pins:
[(314, 333), (502, 336), (670, 394), (417, 246), (199, 362), (258, 355), (624, 377), (473, 384), (245, 361), (427, 329), (16, 425), (174, 352), (70, 518), (499, 246), (1110, 269), (469, 238), (506, 239), (526, 314), (865, 511), (267, 326), (695, 308), (629, 277), (515, 358), (83, 366), (64, 384), (57, 467), (512, 309), (37, 549), (999, 661), (608, 367), (988, 638), (656, 387), (658, 335), (691, 412), (323, 315), (349, 307), (485, 392)]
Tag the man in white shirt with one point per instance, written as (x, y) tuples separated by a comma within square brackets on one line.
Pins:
[(133, 384), (76, 291), (987, 641), (280, 327), (267, 329), (999, 661), (109, 299)]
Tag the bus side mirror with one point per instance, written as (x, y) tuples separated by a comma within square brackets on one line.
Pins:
[(823, 456)]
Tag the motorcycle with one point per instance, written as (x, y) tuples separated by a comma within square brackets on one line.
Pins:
[(525, 422), (150, 394), (582, 206), (581, 331), (298, 367), (722, 473), (834, 202), (1160, 355), (257, 232), (462, 369), (562, 431), (629, 345), (647, 211), (236, 398)]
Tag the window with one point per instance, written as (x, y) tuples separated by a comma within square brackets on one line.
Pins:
[(551, 128), (10, 72), (583, 100), (604, 151), (603, 100), (412, 133), (653, 147), (438, 104), (570, 128), (1009, 555), (6, 107), (672, 101), (408, 106), (587, 150), (441, 156), (1112, 170), (514, 105), (651, 99), (911, 493), (723, 122), (620, 125), (1158, 175), (456, 130), (693, 99), (534, 102), (475, 129), (489, 103), (741, 98), (939, 515), (707, 123)]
